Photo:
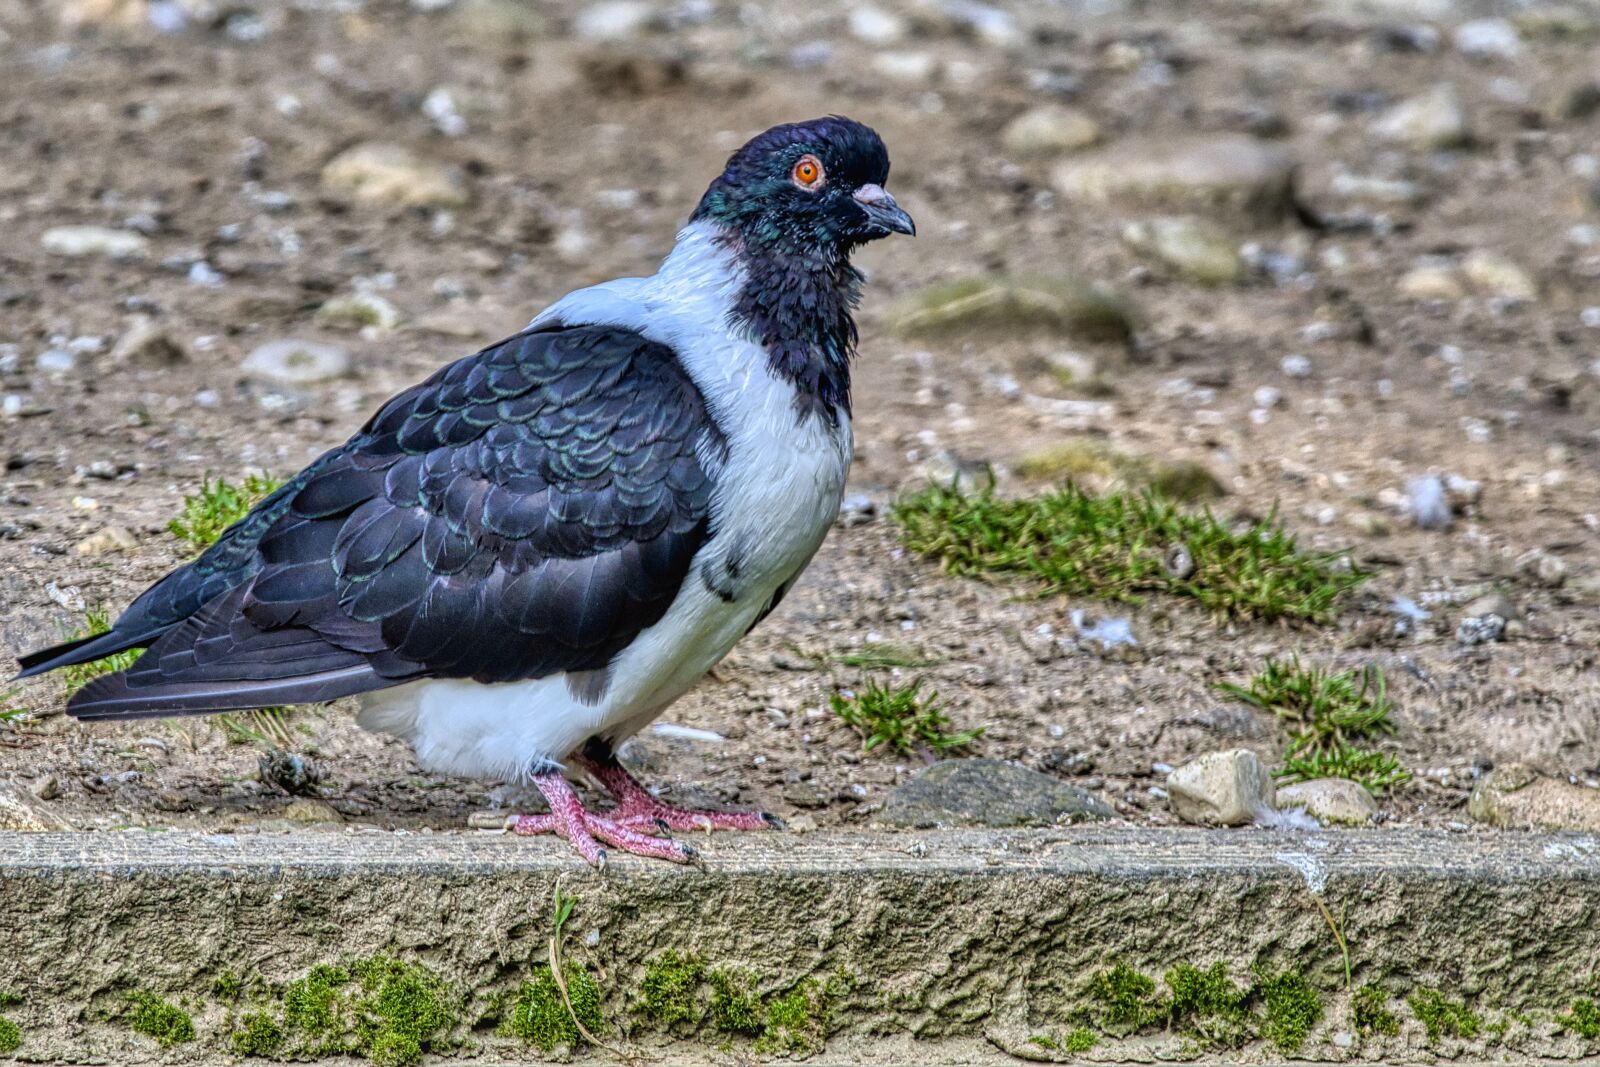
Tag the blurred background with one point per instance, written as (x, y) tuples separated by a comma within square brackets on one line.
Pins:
[(1337, 258)]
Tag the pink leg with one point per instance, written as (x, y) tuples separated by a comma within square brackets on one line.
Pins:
[(585, 830), (636, 807)]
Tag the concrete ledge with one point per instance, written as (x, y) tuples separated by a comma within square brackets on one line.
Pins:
[(962, 944)]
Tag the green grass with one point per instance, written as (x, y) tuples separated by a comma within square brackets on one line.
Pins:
[(96, 621), (1116, 547), (884, 657), (903, 718), (216, 507), (1331, 718)]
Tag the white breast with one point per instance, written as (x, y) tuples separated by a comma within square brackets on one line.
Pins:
[(775, 498)]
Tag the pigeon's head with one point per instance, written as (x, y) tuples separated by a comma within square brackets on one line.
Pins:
[(807, 187)]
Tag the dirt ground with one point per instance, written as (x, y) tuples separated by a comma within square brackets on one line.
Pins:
[(582, 156)]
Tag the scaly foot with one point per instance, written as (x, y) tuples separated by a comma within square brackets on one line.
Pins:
[(636, 807), (585, 830)]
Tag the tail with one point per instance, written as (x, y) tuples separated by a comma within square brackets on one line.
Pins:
[(82, 650)]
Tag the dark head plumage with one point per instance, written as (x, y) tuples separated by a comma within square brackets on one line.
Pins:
[(765, 193)]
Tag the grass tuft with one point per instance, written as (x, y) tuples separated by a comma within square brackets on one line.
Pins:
[(902, 717), (216, 507), (1328, 716), (1370, 1013), (1443, 1017), (96, 622), (166, 1022), (1118, 546)]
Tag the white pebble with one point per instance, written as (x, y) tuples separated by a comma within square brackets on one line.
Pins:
[(1296, 366)]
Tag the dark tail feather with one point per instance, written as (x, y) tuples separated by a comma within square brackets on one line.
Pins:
[(110, 696), (82, 650)]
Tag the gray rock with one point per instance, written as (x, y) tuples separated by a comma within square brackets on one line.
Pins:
[(1488, 39), (1228, 788), (1049, 130), (292, 362), (1431, 121), (1228, 174), (354, 311), (987, 792), (1197, 249), (913, 68), (1370, 190), (1516, 796), (1494, 275), (1480, 629), (1430, 282), (1062, 304), (392, 174), (1330, 800), (83, 241), (613, 20), (876, 26), (146, 344)]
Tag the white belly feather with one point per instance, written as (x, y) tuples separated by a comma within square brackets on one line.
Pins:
[(774, 501)]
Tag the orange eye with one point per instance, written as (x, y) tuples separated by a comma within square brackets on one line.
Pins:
[(808, 172)]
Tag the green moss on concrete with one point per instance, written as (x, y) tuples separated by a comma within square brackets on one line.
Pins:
[(10, 1036), (669, 992), (1442, 1017), (1292, 1008), (1583, 1020), (1123, 1000), (1207, 1005), (1370, 1014), (405, 1011), (735, 1003), (539, 1015), (314, 1005), (227, 986), (797, 1024), (259, 1034), (154, 1017), (1079, 1040)]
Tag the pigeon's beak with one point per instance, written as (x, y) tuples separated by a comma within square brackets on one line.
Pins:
[(882, 212)]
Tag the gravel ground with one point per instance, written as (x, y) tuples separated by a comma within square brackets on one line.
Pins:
[(1425, 301)]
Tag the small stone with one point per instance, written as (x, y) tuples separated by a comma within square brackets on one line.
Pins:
[(805, 795), (1230, 175), (354, 311), (290, 772), (448, 324), (945, 468), (1427, 502), (1221, 789), (82, 241), (1542, 567), (1488, 39), (390, 174), (500, 22), (55, 361), (20, 814), (988, 23), (1197, 249), (876, 26), (1480, 629), (1493, 275), (305, 810), (987, 792), (1515, 796), (1433, 121), (147, 344), (1296, 366), (1375, 190), (47, 787), (911, 67), (110, 539), (615, 20), (1330, 800), (1050, 130), (1431, 283), (1581, 101), (291, 362), (1062, 304)]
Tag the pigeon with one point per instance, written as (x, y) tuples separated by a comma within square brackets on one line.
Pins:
[(522, 561)]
